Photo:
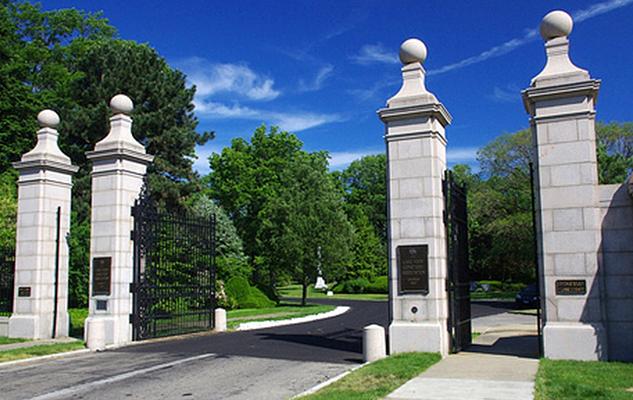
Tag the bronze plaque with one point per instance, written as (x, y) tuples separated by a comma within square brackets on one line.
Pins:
[(24, 291), (101, 274), (413, 269), (571, 287)]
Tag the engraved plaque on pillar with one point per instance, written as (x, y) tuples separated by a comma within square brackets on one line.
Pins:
[(413, 269), (571, 287), (101, 276)]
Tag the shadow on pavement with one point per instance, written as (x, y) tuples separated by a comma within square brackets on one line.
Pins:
[(525, 346)]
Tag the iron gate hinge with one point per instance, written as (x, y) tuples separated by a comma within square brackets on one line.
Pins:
[(132, 287), (131, 318), (132, 234)]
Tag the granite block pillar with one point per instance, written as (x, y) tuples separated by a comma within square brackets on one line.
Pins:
[(41, 257), (561, 103), (416, 153), (119, 166)]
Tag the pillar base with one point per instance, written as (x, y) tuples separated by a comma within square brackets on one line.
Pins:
[(103, 330), (417, 336), (574, 341), (33, 326)]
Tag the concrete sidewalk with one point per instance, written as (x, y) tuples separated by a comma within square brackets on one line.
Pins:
[(501, 365)]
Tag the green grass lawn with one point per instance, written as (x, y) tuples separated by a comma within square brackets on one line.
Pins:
[(6, 340), (294, 291), (562, 380), (282, 311), (493, 294), (378, 379), (28, 352)]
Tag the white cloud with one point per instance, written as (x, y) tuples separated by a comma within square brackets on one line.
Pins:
[(290, 121), (375, 53), (341, 159), (201, 163), (213, 78), (461, 154), (530, 35), (509, 94), (317, 83)]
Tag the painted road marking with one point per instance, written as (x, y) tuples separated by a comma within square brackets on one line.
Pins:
[(117, 378)]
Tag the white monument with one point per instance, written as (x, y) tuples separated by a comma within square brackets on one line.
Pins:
[(119, 166), (416, 153), (561, 101), (44, 186)]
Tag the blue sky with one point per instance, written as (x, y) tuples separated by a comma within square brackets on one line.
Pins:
[(322, 68)]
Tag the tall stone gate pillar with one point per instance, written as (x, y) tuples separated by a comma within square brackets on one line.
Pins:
[(41, 256), (119, 166), (561, 102), (416, 153)]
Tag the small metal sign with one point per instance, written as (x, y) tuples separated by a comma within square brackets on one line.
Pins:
[(24, 291), (413, 269), (101, 274), (571, 287)]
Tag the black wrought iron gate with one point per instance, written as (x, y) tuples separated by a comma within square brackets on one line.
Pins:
[(174, 272), (456, 220)]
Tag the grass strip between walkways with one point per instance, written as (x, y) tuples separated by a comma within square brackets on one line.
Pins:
[(7, 340), (281, 312), (562, 380), (378, 379), (41, 350)]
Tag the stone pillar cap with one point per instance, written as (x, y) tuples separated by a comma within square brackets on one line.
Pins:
[(412, 50), (555, 27), (46, 153), (120, 136)]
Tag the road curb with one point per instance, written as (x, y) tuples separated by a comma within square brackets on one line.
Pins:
[(248, 326), (330, 381)]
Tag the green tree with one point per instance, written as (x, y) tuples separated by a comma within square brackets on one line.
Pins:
[(306, 221), (364, 183), (8, 211), (230, 258)]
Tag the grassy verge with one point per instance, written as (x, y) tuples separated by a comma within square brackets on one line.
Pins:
[(377, 379), (6, 340), (77, 317), (294, 291), (27, 352), (283, 311), (563, 380)]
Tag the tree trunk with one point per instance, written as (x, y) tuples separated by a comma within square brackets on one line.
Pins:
[(304, 292)]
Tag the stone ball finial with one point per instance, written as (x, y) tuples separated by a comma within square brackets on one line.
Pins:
[(121, 104), (48, 119), (412, 50), (556, 24)]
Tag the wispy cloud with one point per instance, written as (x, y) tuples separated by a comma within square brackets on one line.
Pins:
[(201, 163), (508, 94), (214, 78), (371, 92), (374, 53), (290, 121), (530, 35), (341, 159), (322, 75), (461, 154)]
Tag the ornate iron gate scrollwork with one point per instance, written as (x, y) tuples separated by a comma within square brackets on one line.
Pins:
[(174, 271)]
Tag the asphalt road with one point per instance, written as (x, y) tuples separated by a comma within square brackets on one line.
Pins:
[(274, 363)]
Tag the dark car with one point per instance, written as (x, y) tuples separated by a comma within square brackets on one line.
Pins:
[(528, 297)]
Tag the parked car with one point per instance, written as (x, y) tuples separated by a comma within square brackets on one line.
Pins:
[(528, 296)]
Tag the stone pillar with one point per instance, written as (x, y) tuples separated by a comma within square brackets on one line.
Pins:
[(561, 102), (44, 186), (119, 164), (416, 153)]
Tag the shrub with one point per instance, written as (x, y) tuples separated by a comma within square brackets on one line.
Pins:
[(354, 286), (241, 294), (380, 285), (256, 299)]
